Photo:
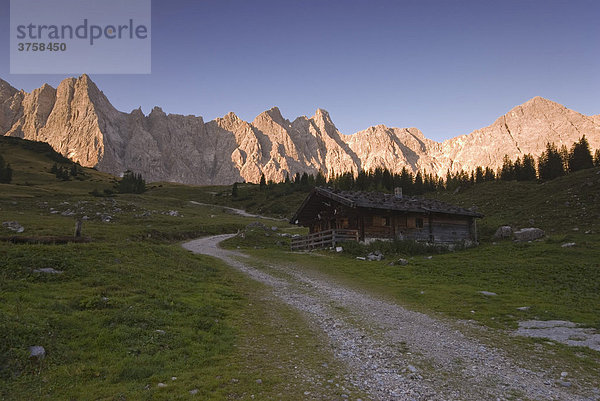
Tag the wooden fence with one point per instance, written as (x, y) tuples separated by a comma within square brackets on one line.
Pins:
[(324, 239)]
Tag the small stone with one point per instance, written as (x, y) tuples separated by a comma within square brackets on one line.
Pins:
[(402, 262), (361, 258), (564, 383), (576, 229), (161, 385), (568, 245), (37, 352), (173, 378), (412, 369), (258, 381), (488, 293), (564, 374), (194, 391), (159, 331), (429, 257), (48, 270), (339, 249), (274, 228), (523, 308)]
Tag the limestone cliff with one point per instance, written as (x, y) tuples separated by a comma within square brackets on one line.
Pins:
[(78, 121)]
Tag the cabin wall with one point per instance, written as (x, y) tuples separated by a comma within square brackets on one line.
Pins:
[(381, 224), (448, 229)]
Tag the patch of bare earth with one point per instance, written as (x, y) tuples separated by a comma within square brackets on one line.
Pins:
[(392, 353)]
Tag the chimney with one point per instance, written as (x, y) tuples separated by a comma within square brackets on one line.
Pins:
[(398, 192)]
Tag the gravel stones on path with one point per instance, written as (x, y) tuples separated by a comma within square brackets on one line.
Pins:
[(392, 353)]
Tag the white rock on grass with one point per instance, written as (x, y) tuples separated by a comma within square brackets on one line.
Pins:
[(13, 226), (48, 270), (37, 352), (488, 293), (529, 234), (568, 245)]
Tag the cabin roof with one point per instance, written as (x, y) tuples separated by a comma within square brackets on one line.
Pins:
[(380, 200)]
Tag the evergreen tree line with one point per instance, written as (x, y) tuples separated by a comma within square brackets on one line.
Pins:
[(5, 172), (551, 164), (131, 183), (64, 172)]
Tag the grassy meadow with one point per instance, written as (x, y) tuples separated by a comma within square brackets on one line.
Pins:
[(132, 309)]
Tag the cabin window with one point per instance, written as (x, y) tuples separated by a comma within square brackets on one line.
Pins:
[(419, 222), (381, 221)]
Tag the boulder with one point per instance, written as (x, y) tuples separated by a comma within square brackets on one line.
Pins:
[(529, 234), (503, 232), (375, 256), (401, 262), (13, 226)]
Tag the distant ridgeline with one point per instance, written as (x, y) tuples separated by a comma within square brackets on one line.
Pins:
[(553, 163), (79, 122)]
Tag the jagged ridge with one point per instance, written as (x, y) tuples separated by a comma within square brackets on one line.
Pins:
[(78, 121)]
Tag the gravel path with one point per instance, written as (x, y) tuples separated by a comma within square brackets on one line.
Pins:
[(393, 353), (239, 212)]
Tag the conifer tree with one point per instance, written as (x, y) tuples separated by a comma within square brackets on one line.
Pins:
[(580, 156), (507, 170), (234, 190), (597, 158), (5, 172), (550, 163), (527, 171), (263, 182)]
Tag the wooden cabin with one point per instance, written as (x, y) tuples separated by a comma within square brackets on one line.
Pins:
[(376, 215)]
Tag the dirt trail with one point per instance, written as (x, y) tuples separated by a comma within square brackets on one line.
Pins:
[(239, 212), (393, 353)]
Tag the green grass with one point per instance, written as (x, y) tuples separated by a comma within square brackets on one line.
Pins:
[(98, 320)]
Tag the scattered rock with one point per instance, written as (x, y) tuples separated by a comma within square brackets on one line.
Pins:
[(361, 258), (339, 249), (503, 232), (564, 374), (564, 383), (523, 308), (258, 381), (13, 226), (428, 257), (568, 245), (274, 228), (194, 391), (412, 369), (48, 270), (256, 224), (529, 234), (161, 385), (37, 352), (377, 255), (401, 262), (173, 213), (173, 378), (488, 293), (576, 229)]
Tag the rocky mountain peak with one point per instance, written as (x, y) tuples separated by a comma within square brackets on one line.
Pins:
[(77, 120)]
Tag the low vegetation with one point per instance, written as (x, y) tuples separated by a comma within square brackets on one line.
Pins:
[(130, 309)]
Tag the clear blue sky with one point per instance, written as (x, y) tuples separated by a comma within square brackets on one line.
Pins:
[(445, 67)]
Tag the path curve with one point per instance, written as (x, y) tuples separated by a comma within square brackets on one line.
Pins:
[(393, 353)]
